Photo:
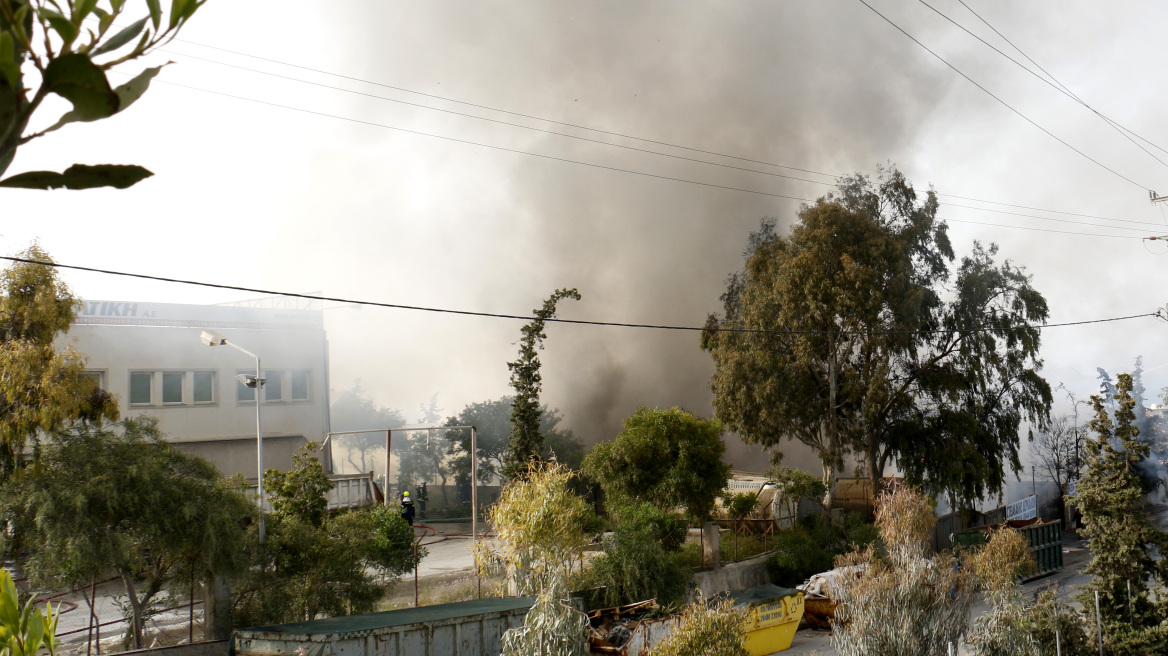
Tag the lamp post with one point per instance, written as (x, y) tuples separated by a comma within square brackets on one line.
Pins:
[(214, 339)]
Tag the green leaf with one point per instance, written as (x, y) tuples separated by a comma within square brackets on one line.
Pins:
[(9, 612), (52, 618), (121, 38), (9, 62), (178, 9), (77, 79), (80, 176), (60, 24), (22, 22), (83, 10), (155, 13), (133, 90), (36, 630)]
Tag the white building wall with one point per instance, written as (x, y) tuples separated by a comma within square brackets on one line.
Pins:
[(153, 339)]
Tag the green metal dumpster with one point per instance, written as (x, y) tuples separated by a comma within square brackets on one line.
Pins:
[(1045, 538)]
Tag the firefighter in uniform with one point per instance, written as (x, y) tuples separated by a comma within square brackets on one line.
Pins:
[(407, 505)]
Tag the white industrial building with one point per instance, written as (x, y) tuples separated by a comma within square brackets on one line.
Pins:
[(150, 356)]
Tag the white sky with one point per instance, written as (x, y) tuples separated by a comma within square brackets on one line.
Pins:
[(267, 197)]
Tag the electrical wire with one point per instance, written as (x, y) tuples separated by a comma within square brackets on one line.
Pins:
[(1002, 102), (504, 111), (1047, 218), (621, 170), (1056, 80), (1036, 209), (1063, 232), (480, 144), (497, 121), (598, 141), (1061, 88), (566, 124), (493, 315)]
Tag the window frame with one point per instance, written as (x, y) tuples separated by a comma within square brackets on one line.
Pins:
[(195, 386), (292, 374), (240, 387), (149, 388), (273, 375), (182, 380)]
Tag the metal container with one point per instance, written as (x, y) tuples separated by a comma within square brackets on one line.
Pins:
[(772, 617), (1045, 538), (467, 628)]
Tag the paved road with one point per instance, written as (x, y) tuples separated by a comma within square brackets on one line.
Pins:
[(449, 548)]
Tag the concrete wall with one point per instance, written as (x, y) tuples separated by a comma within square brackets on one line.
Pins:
[(119, 339), (737, 576)]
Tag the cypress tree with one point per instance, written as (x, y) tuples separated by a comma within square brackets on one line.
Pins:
[(1115, 519), (526, 440)]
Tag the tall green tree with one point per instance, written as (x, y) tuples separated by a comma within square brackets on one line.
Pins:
[(666, 457), (492, 421), (43, 388), (1116, 523), (526, 441), (119, 499), (837, 335), (69, 47)]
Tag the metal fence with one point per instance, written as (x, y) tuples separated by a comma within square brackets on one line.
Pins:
[(446, 572), (93, 618)]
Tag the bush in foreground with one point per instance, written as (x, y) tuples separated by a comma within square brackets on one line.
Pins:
[(707, 629)]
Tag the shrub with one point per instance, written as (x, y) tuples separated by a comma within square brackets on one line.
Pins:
[(710, 630), (540, 531), (797, 556), (1047, 613), (998, 565), (906, 603), (634, 568), (1125, 640), (859, 533), (641, 560)]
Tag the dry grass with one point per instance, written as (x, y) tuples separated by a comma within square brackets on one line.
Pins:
[(905, 603)]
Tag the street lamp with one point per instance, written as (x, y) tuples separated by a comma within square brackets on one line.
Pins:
[(214, 339)]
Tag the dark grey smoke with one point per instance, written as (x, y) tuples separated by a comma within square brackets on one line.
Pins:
[(818, 85)]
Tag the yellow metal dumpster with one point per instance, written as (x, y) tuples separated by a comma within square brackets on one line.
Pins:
[(772, 616)]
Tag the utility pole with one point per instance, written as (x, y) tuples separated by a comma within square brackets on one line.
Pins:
[(1157, 198)]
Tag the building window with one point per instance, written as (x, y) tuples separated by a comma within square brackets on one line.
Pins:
[(172, 384), (140, 383), (204, 387), (274, 387), (98, 378), (299, 385), (243, 393)]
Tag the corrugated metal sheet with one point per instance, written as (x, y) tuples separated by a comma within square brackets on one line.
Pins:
[(468, 628)]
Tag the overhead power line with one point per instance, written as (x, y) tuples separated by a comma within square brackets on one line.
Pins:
[(1056, 85), (480, 144), (598, 141), (630, 171), (493, 315), (499, 122), (1002, 102), (496, 109), (1056, 80)]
